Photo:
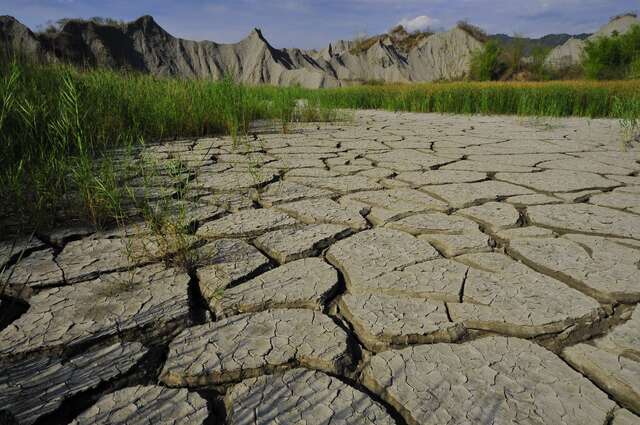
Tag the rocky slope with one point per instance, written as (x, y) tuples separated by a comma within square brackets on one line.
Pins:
[(15, 37), (570, 53), (144, 46)]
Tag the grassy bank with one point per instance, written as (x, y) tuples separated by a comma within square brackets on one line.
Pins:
[(55, 121), (591, 99)]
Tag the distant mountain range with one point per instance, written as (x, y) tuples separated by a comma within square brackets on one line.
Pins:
[(142, 45), (570, 53), (529, 44)]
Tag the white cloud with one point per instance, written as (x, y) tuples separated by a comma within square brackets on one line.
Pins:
[(419, 23)]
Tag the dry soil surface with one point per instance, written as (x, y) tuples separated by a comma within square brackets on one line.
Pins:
[(398, 269)]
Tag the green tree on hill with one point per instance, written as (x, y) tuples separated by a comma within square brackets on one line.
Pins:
[(615, 57), (486, 64)]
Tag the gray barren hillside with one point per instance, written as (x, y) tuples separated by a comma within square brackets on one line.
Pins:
[(144, 46), (570, 53)]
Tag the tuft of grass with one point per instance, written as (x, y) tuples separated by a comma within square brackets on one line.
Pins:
[(239, 108), (284, 105), (311, 110), (165, 232), (629, 115)]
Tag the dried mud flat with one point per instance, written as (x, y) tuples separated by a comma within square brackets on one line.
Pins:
[(401, 269)]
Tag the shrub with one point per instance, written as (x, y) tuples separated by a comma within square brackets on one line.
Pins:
[(485, 63), (537, 66), (634, 69), (615, 57), (474, 31), (362, 44), (413, 40), (402, 40), (514, 53)]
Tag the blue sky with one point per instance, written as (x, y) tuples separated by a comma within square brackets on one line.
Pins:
[(314, 23)]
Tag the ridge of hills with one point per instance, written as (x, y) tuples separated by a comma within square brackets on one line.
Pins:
[(144, 46), (397, 56)]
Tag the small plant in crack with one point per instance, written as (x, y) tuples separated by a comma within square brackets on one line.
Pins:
[(253, 167), (170, 238), (166, 229), (629, 119), (284, 106)]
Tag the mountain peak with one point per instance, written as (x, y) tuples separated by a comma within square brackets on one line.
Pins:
[(146, 21), (7, 18), (256, 34)]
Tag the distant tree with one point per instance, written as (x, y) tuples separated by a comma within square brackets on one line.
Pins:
[(537, 66), (514, 53), (615, 57), (486, 64)]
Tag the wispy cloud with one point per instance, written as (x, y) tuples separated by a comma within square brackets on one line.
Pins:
[(419, 23)]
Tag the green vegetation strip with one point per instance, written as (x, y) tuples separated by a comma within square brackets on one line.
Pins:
[(56, 121), (557, 99)]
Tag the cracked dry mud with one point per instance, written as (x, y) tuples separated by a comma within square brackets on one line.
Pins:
[(146, 404), (253, 344), (151, 301), (490, 380), (400, 269), (302, 396), (37, 386)]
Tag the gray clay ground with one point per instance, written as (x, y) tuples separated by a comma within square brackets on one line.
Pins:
[(400, 269)]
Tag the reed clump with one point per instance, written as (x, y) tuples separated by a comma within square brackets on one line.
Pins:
[(61, 129)]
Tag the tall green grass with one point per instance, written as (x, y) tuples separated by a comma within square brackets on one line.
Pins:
[(557, 99), (56, 121)]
